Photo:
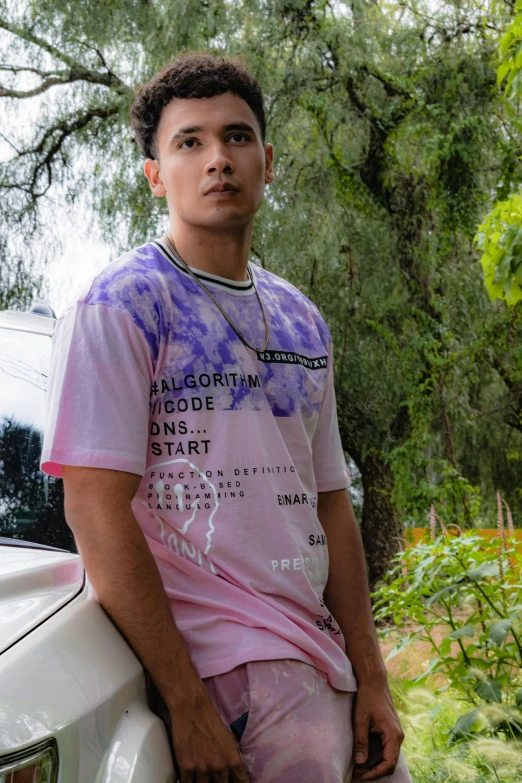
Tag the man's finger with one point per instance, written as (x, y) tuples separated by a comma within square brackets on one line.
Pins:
[(238, 775), (360, 739), (381, 770), (390, 759)]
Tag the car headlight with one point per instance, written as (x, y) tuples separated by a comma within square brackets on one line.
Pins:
[(38, 764)]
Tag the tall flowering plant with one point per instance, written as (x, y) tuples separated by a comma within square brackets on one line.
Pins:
[(462, 595)]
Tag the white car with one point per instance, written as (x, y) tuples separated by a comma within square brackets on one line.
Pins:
[(74, 705)]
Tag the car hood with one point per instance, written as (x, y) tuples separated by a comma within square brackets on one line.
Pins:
[(34, 584)]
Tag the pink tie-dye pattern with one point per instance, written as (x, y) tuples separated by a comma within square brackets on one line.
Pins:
[(299, 728), (233, 448)]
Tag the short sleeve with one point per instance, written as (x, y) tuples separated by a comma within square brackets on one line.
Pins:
[(330, 468), (97, 409)]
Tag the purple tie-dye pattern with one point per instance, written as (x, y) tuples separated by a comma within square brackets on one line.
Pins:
[(173, 312), (134, 284), (227, 503), (226, 356)]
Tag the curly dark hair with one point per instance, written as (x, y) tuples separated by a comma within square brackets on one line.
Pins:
[(192, 75)]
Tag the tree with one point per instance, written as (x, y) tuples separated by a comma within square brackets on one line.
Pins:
[(31, 505), (403, 167), (391, 140), (500, 235), (18, 283)]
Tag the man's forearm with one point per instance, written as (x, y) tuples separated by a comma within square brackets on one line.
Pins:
[(347, 591), (125, 576), (124, 573)]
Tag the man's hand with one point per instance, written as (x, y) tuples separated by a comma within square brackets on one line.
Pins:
[(205, 749), (347, 597), (373, 710)]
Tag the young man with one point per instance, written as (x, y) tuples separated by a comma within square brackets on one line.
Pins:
[(192, 416)]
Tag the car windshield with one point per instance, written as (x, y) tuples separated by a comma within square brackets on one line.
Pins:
[(31, 503)]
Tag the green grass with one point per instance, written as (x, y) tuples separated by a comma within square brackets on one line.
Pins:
[(427, 719)]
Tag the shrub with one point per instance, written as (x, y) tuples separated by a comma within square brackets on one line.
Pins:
[(470, 589)]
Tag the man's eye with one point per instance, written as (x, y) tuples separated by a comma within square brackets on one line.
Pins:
[(242, 135)]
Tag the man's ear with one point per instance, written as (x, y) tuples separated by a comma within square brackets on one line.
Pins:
[(269, 159), (152, 172)]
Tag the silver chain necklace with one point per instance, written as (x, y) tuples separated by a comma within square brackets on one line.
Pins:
[(176, 255)]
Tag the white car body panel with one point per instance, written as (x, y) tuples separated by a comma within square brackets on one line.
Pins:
[(65, 670), (138, 752), (27, 322), (34, 583), (75, 678)]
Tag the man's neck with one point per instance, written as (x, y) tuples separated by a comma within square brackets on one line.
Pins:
[(221, 253)]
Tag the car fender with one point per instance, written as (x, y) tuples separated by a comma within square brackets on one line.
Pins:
[(139, 751), (76, 679)]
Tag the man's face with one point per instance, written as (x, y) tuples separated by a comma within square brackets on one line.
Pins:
[(227, 148)]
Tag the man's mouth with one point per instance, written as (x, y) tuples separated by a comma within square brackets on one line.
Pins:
[(225, 187), (222, 193)]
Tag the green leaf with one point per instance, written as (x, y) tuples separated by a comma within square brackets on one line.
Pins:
[(502, 72), (484, 570), (499, 630), (404, 642), (445, 646), (433, 665), (437, 595), (465, 725), (501, 230), (518, 698), (489, 690), (466, 630), (506, 40), (483, 663), (518, 56)]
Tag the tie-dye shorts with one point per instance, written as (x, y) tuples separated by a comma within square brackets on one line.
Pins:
[(290, 725)]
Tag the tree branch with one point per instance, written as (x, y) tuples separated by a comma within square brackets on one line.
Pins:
[(98, 54), (76, 70), (28, 69), (50, 146), (43, 87), (391, 89), (446, 34), (27, 35), (10, 143)]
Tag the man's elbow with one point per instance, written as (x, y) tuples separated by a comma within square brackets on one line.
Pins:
[(92, 493)]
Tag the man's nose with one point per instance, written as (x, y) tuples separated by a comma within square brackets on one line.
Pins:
[(219, 159)]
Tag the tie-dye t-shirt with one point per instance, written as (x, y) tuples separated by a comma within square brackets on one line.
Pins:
[(232, 445)]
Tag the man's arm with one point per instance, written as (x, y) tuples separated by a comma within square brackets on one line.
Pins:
[(128, 584), (347, 597)]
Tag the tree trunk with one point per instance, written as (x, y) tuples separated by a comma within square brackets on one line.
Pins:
[(380, 525)]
